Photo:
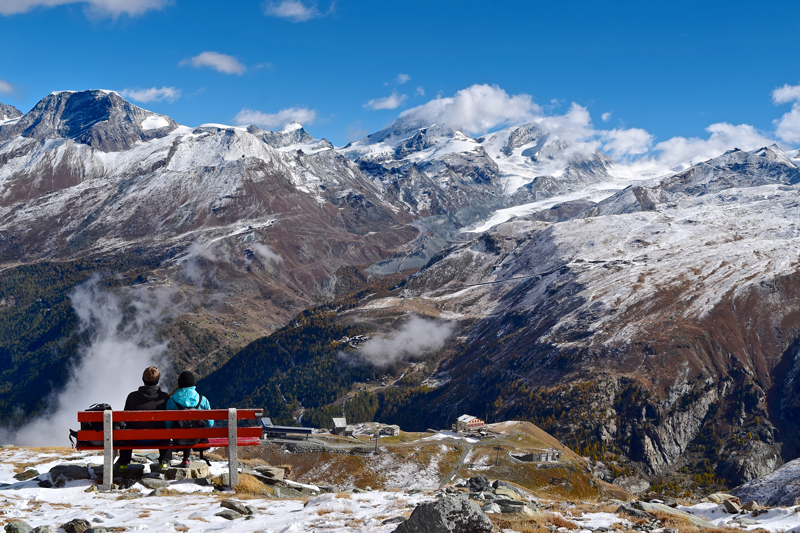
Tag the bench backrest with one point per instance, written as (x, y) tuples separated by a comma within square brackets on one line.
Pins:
[(173, 432)]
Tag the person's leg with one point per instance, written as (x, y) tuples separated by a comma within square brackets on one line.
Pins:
[(125, 457), (164, 456), (187, 453)]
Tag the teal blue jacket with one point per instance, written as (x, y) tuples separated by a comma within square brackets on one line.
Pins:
[(186, 398)]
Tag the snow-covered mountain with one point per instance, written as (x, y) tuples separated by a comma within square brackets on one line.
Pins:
[(684, 290)]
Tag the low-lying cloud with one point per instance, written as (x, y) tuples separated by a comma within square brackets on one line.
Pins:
[(122, 343), (416, 337), (266, 253), (475, 109), (269, 121)]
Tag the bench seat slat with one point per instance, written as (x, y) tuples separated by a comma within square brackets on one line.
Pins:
[(212, 443), (166, 434), (160, 416)]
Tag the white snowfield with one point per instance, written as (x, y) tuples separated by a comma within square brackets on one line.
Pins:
[(193, 512)]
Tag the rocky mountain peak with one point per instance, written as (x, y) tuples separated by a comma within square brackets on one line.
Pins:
[(9, 112), (290, 134), (101, 119)]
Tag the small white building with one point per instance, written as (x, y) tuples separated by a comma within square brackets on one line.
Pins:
[(339, 426), (391, 431), (467, 423)]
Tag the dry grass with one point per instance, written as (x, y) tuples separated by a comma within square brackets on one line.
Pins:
[(343, 495), (248, 485), (683, 525), (181, 528), (322, 512), (521, 524), (559, 521), (597, 508)]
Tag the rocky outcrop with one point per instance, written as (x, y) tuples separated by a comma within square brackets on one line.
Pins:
[(776, 489), (450, 514), (9, 112)]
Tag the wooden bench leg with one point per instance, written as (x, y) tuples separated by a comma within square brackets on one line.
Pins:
[(233, 457), (108, 450)]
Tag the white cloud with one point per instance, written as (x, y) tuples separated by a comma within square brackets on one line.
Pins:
[(606, 116), (475, 109), (6, 88), (420, 91), (219, 62), (392, 101), (153, 94), (787, 93), (266, 253), (295, 10), (111, 8), (787, 128), (402, 78), (626, 143), (303, 115), (416, 337)]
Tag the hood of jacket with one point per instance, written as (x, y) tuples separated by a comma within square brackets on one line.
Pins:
[(150, 392), (186, 397)]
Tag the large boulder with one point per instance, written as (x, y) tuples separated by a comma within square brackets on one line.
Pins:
[(18, 526), (631, 484), (68, 472), (479, 484), (450, 514)]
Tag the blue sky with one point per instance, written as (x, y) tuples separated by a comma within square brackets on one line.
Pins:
[(670, 68)]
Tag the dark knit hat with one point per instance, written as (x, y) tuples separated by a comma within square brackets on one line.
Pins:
[(186, 379), (151, 375)]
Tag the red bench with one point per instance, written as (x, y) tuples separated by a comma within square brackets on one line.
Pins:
[(218, 437)]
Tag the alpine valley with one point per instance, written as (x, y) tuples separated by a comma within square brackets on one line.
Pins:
[(651, 324)]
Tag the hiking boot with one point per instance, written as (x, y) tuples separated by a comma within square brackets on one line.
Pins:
[(164, 465), (185, 463)]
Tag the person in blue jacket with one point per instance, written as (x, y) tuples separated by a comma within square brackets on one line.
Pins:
[(186, 397)]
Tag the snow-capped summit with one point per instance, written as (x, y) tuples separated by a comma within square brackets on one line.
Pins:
[(291, 136), (101, 119)]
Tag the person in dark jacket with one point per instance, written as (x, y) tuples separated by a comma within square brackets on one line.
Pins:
[(186, 397), (149, 397)]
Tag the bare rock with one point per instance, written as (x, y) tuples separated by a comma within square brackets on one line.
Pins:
[(228, 514), (634, 485), (233, 505), (77, 525), (731, 506), (450, 514), (154, 483), (26, 475), (69, 472), (196, 470), (18, 526)]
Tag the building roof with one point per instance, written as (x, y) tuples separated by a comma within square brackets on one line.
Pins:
[(466, 418), (339, 422)]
